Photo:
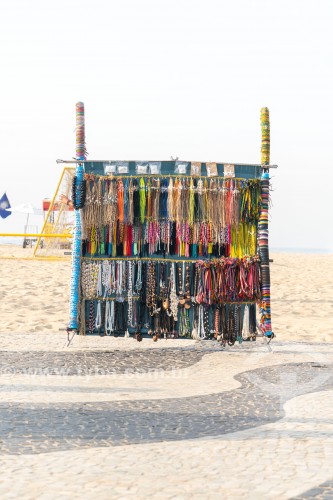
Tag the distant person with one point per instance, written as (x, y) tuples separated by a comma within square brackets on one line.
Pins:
[(64, 199)]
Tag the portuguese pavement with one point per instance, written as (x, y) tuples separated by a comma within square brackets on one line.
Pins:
[(110, 418)]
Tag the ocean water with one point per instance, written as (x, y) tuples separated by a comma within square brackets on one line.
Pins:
[(19, 242), (11, 241), (300, 250)]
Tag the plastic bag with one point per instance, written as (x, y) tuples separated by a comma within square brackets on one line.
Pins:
[(211, 168), (155, 167), (195, 168), (181, 167)]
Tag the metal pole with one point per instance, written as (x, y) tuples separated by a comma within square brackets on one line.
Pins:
[(37, 235), (49, 212), (219, 162)]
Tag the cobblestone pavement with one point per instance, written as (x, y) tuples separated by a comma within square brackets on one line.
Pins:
[(96, 362), (322, 492), (243, 423), (277, 461), (36, 428)]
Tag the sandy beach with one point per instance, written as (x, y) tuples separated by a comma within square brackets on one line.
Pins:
[(35, 295)]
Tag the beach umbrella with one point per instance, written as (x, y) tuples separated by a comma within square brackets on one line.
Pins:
[(25, 208)]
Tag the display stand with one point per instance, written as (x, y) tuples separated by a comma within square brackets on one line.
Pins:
[(171, 249)]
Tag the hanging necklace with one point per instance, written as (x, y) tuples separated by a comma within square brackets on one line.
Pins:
[(91, 321), (142, 192), (98, 319), (138, 284), (121, 280), (187, 304), (89, 279), (181, 295), (164, 200), (151, 297), (99, 289), (170, 200), (246, 323), (131, 203), (173, 294), (109, 317), (130, 294), (106, 278), (194, 333), (163, 287), (201, 328), (120, 200)]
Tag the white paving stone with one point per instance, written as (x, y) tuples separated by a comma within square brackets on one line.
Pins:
[(219, 368), (277, 460)]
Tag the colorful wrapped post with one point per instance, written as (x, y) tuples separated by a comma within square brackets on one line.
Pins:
[(265, 136), (263, 226), (78, 196)]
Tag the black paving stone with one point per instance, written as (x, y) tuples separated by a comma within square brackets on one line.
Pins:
[(97, 362), (25, 428), (322, 492)]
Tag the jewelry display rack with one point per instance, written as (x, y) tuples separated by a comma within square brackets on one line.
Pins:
[(170, 249)]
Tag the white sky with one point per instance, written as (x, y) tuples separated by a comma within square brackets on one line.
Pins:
[(172, 77)]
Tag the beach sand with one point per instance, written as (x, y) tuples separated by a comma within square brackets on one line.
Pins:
[(34, 295)]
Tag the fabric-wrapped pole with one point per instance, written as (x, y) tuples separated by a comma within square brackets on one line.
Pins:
[(263, 226), (76, 246)]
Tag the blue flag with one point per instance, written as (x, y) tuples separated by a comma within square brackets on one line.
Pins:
[(4, 203)]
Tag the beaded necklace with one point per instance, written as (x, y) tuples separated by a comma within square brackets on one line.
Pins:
[(78, 192), (109, 317), (120, 326), (130, 214), (163, 214), (184, 323), (138, 284), (120, 280), (201, 327), (86, 211), (194, 334), (246, 323), (170, 200), (151, 284), (238, 323), (148, 201), (89, 278), (231, 331), (91, 320), (120, 200), (126, 195), (130, 293), (99, 288), (156, 191), (98, 318), (173, 294)]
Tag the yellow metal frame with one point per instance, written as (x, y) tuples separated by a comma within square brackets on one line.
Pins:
[(46, 258), (37, 235), (65, 169)]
